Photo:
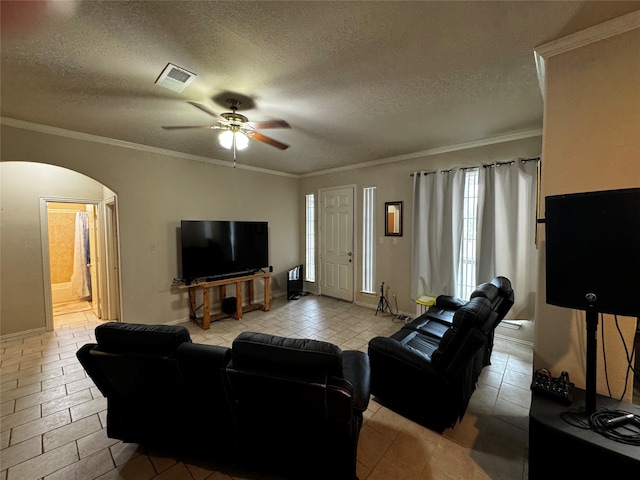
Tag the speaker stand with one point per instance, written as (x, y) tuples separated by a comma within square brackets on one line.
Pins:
[(383, 304), (590, 391)]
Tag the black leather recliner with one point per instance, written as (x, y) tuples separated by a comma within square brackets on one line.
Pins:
[(276, 404), (135, 367), (430, 378), (437, 320), (299, 405)]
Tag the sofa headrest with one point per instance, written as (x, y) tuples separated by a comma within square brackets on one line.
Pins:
[(464, 338), (161, 340), (486, 290), (270, 353), (504, 287), (474, 313)]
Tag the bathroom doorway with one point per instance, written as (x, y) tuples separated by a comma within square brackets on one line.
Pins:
[(73, 259), (80, 238)]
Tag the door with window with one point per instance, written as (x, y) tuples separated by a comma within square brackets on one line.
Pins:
[(336, 243)]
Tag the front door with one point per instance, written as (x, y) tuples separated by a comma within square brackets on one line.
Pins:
[(336, 238)]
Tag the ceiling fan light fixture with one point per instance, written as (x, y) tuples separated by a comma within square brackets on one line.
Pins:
[(227, 138), (242, 141)]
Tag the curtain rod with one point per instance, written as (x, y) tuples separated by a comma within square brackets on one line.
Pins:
[(486, 165)]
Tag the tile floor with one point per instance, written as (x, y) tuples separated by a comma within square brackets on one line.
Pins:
[(52, 416)]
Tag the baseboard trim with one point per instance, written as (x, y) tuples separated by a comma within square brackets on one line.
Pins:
[(514, 340)]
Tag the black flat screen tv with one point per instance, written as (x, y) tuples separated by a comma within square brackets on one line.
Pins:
[(213, 249), (593, 251)]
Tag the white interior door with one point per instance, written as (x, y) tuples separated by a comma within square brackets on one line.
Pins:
[(111, 304), (336, 243), (94, 266)]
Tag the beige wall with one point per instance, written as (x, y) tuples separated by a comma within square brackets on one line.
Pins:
[(394, 183), (154, 192), (22, 184), (591, 142)]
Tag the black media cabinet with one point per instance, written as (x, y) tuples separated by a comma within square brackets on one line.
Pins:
[(558, 449)]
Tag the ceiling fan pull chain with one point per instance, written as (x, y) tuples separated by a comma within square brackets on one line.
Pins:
[(234, 150)]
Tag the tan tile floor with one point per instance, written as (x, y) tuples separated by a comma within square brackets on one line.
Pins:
[(52, 416)]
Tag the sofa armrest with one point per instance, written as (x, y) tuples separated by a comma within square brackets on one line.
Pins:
[(392, 348), (449, 302), (356, 370), (85, 357)]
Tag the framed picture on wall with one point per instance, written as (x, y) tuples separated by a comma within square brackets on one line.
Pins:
[(393, 219)]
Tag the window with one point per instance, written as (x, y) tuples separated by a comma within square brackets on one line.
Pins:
[(368, 238), (310, 238), (466, 281)]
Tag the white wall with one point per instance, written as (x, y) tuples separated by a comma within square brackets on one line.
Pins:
[(155, 192), (591, 142), (394, 183)]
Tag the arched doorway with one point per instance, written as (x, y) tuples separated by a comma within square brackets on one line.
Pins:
[(27, 188)]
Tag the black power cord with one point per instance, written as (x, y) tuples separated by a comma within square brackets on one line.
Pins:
[(617, 425)]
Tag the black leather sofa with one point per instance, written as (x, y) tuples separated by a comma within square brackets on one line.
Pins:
[(428, 370), (291, 407)]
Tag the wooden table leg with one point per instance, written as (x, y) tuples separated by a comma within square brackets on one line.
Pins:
[(267, 293), (192, 304), (206, 308), (238, 300)]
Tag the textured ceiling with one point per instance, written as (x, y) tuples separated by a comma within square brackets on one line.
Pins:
[(357, 81)]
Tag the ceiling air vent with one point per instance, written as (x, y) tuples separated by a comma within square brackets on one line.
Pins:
[(175, 78)]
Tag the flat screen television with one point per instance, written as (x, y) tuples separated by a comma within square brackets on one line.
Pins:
[(218, 248), (593, 251)]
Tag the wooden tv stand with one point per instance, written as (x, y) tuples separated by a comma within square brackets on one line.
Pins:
[(206, 287)]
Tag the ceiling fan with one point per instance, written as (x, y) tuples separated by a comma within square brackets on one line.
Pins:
[(236, 128)]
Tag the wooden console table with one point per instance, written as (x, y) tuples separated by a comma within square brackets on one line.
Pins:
[(206, 287)]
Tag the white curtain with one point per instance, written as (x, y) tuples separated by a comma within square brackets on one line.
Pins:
[(507, 200), (437, 230), (81, 278)]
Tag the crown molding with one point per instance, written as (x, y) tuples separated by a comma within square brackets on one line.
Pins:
[(590, 35), (61, 132), (619, 25), (537, 132), (36, 127)]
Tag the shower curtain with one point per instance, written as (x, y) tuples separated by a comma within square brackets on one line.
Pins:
[(81, 277)]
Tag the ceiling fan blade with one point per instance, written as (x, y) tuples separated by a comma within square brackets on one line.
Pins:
[(264, 139), (205, 110), (270, 124), (179, 127)]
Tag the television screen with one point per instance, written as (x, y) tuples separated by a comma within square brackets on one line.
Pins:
[(215, 248), (593, 251)]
